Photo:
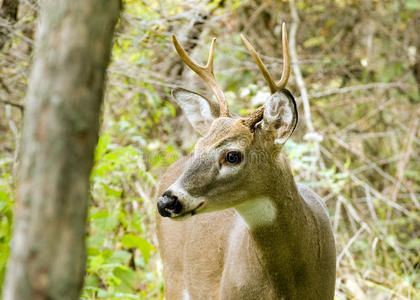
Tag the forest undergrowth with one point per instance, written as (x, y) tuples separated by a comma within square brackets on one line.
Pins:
[(357, 142)]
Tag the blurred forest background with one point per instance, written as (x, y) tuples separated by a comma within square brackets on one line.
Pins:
[(356, 77)]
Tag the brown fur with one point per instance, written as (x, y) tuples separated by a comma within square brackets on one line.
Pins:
[(218, 255)]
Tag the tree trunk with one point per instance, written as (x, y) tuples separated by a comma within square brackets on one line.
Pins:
[(416, 70), (60, 132)]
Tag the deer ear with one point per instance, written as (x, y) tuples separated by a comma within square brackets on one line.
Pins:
[(280, 115), (199, 111)]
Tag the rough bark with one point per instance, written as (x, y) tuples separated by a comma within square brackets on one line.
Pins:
[(8, 13), (416, 72), (59, 134)]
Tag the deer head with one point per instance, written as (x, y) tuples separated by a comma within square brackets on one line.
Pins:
[(231, 161)]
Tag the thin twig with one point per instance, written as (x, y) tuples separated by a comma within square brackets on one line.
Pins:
[(363, 183), (296, 70), (301, 83), (359, 87), (407, 154), (372, 164), (254, 16), (350, 242)]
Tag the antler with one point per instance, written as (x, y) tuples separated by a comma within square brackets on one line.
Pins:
[(205, 72), (257, 115)]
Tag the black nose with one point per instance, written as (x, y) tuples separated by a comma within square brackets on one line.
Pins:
[(168, 204)]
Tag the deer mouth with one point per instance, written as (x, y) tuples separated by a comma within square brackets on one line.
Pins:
[(188, 213), (194, 211)]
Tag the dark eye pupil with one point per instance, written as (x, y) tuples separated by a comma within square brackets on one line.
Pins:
[(233, 157)]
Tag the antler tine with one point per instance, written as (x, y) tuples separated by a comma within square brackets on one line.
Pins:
[(260, 64), (205, 72), (286, 59), (286, 63), (257, 115)]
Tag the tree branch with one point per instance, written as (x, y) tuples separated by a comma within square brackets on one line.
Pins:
[(296, 70), (348, 89)]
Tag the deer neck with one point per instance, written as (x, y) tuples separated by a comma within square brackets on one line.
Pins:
[(277, 202), (278, 221)]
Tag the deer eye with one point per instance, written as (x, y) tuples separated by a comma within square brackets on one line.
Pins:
[(233, 157)]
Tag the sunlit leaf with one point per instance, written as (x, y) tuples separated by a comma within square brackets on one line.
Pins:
[(134, 241)]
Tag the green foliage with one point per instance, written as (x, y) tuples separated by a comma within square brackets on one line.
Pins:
[(122, 256), (303, 158), (119, 241), (6, 215), (412, 4)]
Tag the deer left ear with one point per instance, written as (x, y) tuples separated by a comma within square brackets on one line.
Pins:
[(280, 115)]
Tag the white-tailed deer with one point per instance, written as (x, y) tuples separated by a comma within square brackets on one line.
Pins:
[(233, 223)]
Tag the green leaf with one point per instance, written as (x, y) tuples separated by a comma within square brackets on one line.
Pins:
[(103, 221), (134, 241), (91, 280), (110, 191), (4, 196), (127, 279), (313, 42), (412, 4), (96, 240), (102, 293), (119, 257), (93, 251), (101, 147)]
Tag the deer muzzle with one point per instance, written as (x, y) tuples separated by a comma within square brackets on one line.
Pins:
[(168, 204)]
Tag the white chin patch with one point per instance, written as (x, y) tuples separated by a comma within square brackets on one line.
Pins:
[(257, 212), (182, 217), (185, 295)]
